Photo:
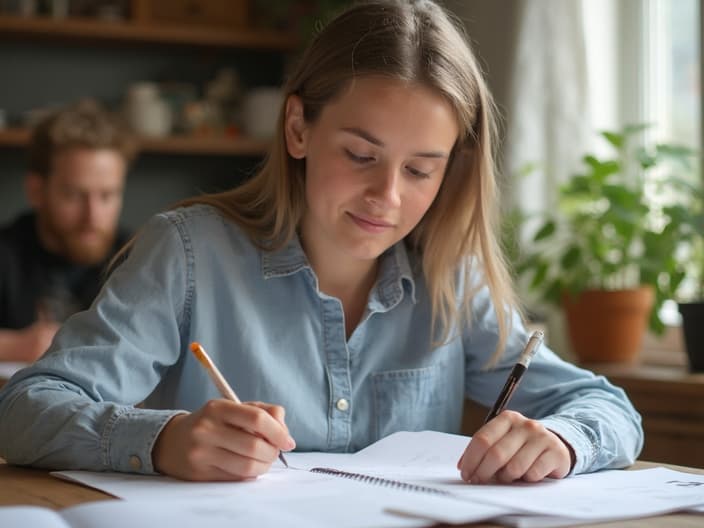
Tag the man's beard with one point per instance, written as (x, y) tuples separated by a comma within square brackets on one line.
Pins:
[(87, 253)]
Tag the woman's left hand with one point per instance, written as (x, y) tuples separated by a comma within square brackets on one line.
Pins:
[(512, 447)]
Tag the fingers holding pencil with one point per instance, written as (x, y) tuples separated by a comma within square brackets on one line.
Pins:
[(225, 439), (222, 440), (221, 383)]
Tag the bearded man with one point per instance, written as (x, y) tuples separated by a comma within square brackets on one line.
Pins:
[(52, 259)]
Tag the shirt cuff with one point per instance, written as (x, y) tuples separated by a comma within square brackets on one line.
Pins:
[(129, 436), (584, 451)]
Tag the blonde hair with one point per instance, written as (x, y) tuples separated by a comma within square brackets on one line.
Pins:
[(417, 42)]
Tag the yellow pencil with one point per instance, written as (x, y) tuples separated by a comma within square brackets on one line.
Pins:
[(219, 380)]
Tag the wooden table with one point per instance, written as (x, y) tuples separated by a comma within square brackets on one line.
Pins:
[(671, 401), (36, 487)]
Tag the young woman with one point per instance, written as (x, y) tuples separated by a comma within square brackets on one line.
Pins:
[(356, 281)]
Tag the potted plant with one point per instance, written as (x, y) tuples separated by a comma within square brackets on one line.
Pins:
[(608, 253), (691, 294)]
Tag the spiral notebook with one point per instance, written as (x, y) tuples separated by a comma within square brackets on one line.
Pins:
[(394, 462), (379, 481), (403, 473)]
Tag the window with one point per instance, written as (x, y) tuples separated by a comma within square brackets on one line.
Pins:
[(672, 89), (672, 83)]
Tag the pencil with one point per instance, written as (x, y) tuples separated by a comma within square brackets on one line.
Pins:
[(516, 374), (219, 380)]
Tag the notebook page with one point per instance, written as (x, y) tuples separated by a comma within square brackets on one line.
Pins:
[(400, 454), (339, 503), (604, 495), (128, 486), (180, 514), (309, 513), (429, 458), (31, 516), (431, 462), (319, 496)]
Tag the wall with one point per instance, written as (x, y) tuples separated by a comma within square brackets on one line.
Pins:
[(491, 27)]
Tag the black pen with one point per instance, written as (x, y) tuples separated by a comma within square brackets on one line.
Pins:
[(516, 373)]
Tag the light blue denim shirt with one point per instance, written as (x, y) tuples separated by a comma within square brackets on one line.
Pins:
[(194, 276)]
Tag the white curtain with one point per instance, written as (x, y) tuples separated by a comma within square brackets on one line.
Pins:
[(547, 117), (547, 114)]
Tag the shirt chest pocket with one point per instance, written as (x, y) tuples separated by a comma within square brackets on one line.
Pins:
[(410, 400)]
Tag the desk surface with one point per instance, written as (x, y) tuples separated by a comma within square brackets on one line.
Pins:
[(36, 487)]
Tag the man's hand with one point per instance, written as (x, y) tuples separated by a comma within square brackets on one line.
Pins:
[(28, 344)]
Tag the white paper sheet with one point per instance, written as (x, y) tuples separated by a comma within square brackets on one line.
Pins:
[(428, 459), (320, 498), (598, 496), (30, 516), (147, 514), (227, 514)]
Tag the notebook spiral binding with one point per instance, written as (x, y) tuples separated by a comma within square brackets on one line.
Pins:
[(378, 481)]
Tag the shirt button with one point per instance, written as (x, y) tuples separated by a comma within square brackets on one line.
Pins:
[(135, 463), (342, 404)]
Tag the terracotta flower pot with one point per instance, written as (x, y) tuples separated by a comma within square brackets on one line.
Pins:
[(608, 326)]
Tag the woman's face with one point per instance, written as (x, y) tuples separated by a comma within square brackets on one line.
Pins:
[(375, 160)]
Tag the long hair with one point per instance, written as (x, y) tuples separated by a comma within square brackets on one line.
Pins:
[(415, 41)]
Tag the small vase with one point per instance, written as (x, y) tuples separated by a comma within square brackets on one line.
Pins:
[(146, 112)]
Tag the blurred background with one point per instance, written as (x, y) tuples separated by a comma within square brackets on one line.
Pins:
[(198, 81)]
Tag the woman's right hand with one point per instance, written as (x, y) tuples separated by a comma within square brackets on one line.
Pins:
[(223, 440)]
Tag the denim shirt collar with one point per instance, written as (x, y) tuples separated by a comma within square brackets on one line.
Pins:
[(394, 280), (285, 261)]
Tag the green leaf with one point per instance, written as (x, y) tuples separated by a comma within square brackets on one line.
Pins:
[(527, 264), (546, 231), (656, 324), (679, 153), (571, 257), (614, 138), (578, 184), (540, 273), (630, 130), (600, 170), (645, 158), (553, 292)]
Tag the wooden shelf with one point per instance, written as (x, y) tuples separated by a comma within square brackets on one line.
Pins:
[(224, 146), (193, 145), (14, 137), (84, 29)]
